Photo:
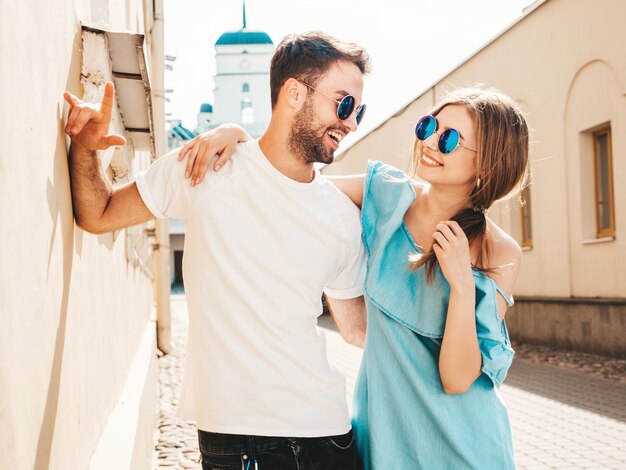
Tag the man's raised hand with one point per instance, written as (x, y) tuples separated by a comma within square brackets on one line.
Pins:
[(88, 123)]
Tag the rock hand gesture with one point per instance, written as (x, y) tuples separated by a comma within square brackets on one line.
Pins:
[(88, 123)]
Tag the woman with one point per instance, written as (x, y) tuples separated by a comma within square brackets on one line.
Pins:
[(436, 344), (440, 274)]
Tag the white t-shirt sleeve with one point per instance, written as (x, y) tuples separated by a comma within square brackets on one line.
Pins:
[(350, 279), (164, 188)]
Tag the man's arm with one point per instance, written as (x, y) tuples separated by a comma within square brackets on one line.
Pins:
[(98, 208), (350, 317)]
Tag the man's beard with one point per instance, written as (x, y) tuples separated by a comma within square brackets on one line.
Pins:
[(305, 141)]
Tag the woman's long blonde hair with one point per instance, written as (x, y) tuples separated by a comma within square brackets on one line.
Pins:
[(501, 164)]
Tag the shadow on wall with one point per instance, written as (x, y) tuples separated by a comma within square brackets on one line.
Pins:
[(60, 209)]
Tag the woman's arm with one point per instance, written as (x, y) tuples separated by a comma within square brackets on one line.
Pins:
[(351, 186), (460, 360), (221, 141)]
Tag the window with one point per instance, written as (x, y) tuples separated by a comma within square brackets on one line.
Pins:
[(247, 113), (603, 171), (527, 233), (247, 116)]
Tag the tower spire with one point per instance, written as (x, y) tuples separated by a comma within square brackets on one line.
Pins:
[(244, 14)]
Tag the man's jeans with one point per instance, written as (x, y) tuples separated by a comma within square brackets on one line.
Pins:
[(235, 452)]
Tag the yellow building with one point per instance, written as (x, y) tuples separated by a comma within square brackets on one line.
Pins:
[(78, 376), (564, 62)]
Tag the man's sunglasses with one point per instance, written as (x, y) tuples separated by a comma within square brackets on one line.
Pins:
[(345, 106), (449, 140)]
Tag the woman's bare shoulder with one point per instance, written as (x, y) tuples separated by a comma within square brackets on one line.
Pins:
[(505, 254)]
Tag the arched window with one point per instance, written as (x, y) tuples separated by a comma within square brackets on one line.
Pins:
[(247, 112), (245, 88)]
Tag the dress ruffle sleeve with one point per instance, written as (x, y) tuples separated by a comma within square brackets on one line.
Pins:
[(493, 337)]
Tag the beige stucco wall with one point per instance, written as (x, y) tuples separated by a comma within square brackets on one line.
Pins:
[(73, 310), (565, 63)]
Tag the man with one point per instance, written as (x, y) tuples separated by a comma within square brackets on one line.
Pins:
[(264, 238)]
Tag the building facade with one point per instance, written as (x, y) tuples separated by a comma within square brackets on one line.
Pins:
[(564, 62), (78, 376)]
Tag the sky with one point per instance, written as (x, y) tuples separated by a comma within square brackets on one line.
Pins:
[(412, 43)]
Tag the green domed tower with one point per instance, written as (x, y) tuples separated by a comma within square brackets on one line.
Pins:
[(242, 88)]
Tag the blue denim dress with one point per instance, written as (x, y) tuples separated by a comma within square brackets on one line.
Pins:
[(402, 418)]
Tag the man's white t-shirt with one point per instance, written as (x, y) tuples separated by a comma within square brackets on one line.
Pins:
[(259, 250)]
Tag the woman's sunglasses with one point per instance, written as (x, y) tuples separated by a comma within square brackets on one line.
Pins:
[(449, 140), (345, 106)]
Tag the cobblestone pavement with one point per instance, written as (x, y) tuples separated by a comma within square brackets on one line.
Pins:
[(177, 439), (592, 364), (564, 416)]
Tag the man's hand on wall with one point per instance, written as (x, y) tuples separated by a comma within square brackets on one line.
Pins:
[(88, 123), (98, 207)]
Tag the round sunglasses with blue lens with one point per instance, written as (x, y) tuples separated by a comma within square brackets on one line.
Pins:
[(449, 140), (345, 106)]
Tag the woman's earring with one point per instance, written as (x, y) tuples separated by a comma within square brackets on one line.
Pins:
[(478, 182)]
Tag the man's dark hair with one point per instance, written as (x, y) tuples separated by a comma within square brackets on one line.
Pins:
[(307, 57)]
